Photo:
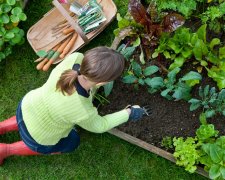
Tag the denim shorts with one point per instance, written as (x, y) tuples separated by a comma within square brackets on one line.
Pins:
[(67, 144)]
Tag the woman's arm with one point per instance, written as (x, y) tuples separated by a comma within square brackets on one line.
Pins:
[(99, 124)]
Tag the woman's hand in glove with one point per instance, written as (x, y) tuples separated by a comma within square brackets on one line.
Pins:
[(135, 113)]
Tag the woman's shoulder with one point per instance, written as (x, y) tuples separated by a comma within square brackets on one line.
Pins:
[(78, 57)]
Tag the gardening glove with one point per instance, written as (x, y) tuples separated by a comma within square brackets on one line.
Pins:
[(137, 112)]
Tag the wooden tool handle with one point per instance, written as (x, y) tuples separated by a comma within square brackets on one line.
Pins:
[(69, 45), (68, 30), (56, 54), (50, 54)]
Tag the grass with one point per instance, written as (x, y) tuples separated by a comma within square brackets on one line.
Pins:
[(100, 156)]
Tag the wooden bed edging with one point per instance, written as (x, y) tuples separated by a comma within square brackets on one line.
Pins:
[(151, 148)]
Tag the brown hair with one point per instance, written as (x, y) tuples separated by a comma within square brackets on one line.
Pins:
[(100, 64)]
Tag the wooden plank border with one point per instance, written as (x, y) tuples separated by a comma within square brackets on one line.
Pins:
[(151, 148)]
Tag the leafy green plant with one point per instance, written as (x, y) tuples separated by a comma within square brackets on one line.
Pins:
[(139, 76), (205, 149), (186, 153), (140, 22), (184, 45), (205, 132), (10, 15), (167, 142), (181, 89), (211, 101), (185, 7), (214, 16), (214, 158)]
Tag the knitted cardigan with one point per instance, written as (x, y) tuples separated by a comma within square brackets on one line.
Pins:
[(50, 116)]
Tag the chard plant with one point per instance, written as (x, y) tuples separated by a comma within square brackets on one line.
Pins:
[(145, 24), (210, 101), (11, 14)]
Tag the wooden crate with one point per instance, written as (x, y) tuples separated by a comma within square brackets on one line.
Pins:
[(40, 34)]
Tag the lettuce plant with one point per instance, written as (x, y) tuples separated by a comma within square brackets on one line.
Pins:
[(185, 45), (205, 148)]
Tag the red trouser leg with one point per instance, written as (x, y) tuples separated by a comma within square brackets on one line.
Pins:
[(8, 125), (18, 148)]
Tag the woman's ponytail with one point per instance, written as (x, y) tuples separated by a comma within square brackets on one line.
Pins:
[(66, 81)]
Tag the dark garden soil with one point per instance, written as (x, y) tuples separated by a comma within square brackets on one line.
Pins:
[(168, 118)]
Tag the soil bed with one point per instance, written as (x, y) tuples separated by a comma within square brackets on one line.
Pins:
[(168, 118)]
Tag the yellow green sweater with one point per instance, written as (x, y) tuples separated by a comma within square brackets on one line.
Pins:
[(50, 116)]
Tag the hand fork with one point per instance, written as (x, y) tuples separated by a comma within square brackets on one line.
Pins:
[(147, 110)]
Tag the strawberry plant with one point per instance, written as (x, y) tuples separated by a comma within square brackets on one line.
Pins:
[(11, 14)]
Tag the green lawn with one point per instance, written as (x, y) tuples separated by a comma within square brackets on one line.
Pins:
[(100, 156)]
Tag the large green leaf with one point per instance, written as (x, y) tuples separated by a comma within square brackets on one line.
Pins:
[(214, 171), (16, 11), (186, 52), (22, 17), (172, 75), (9, 35), (14, 18), (222, 171), (11, 2), (17, 39), (129, 79), (195, 104), (222, 52), (156, 82), (136, 68), (5, 8), (216, 153), (214, 42), (182, 92), (137, 42), (108, 88), (200, 49), (165, 94), (150, 70), (192, 76), (217, 75), (201, 32), (178, 62), (4, 18)]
